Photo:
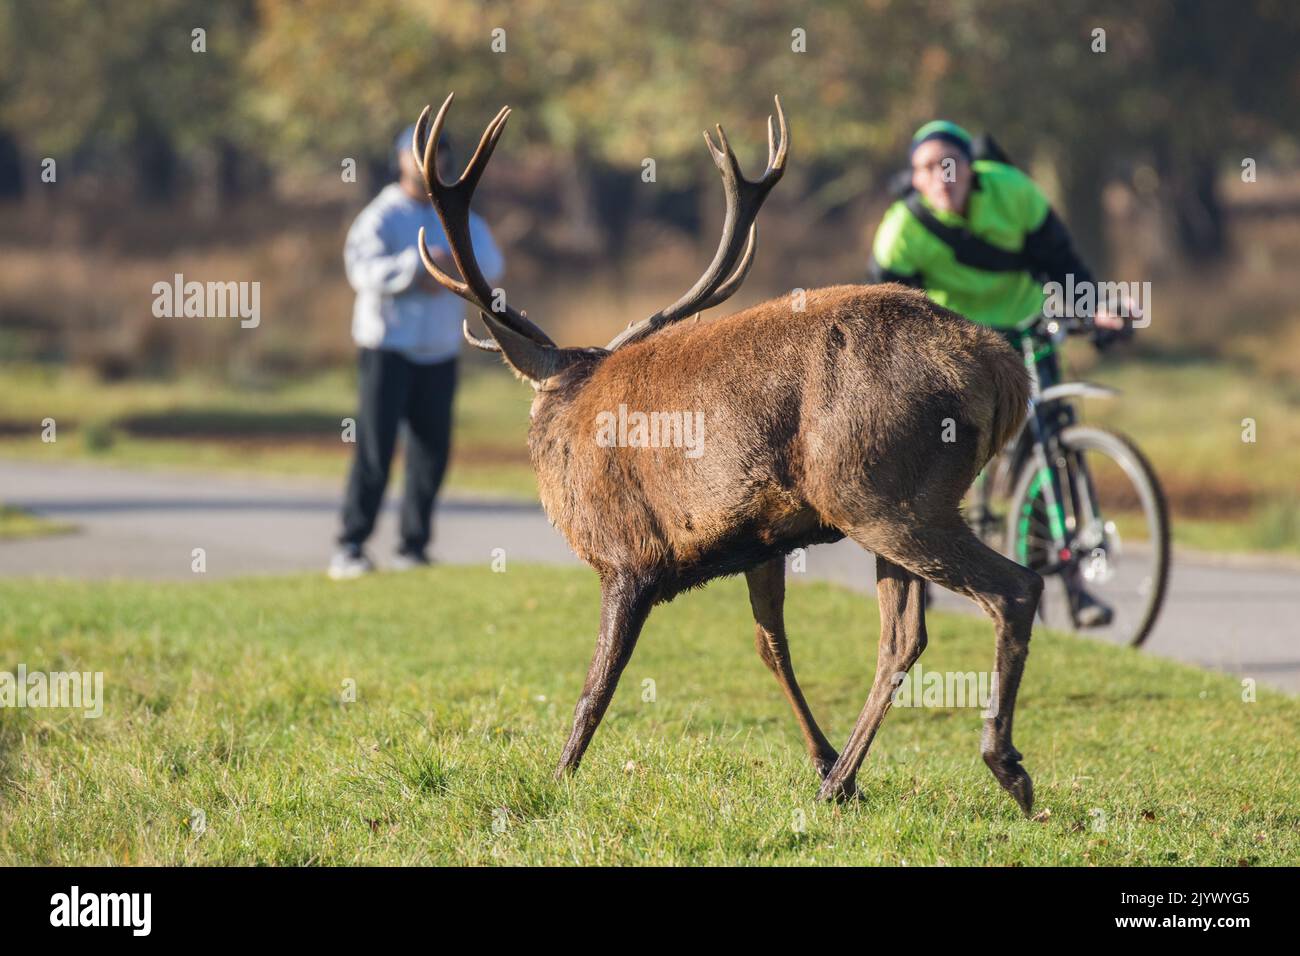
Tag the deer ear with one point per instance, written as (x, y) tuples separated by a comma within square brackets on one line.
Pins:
[(535, 361)]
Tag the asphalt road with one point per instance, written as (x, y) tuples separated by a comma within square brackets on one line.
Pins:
[(1239, 616)]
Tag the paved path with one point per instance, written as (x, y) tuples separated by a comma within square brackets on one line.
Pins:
[(1239, 617)]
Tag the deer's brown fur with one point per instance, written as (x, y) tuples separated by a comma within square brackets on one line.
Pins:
[(814, 420)]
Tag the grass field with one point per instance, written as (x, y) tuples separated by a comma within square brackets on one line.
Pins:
[(291, 429), (1225, 494), (17, 523), (226, 738)]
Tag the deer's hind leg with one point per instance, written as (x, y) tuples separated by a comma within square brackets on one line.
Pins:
[(948, 553), (767, 598), (902, 639)]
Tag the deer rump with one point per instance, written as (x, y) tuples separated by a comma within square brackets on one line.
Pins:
[(814, 422)]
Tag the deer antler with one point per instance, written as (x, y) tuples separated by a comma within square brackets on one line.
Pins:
[(452, 201), (739, 231)]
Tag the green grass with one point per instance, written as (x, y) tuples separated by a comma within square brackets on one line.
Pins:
[(291, 429), (226, 699), (1187, 417), (1273, 528), (16, 523)]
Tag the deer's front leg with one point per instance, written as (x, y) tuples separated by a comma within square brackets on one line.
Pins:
[(902, 639), (625, 602), (767, 598)]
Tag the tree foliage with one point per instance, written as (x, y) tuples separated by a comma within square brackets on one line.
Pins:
[(1183, 87)]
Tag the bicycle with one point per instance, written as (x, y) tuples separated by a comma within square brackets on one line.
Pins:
[(1112, 564)]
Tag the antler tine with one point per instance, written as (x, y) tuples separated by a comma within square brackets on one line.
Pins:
[(736, 247), (486, 144), (447, 282), (776, 152), (417, 135), (429, 162), (723, 156), (487, 345)]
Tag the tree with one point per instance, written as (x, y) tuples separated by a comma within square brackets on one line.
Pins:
[(91, 79)]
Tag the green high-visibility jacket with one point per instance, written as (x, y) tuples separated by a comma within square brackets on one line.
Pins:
[(1005, 210)]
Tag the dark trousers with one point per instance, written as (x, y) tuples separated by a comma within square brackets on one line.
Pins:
[(393, 389)]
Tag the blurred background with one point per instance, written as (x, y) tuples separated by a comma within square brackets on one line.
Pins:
[(1172, 155)]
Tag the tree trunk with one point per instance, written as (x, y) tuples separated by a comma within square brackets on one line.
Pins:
[(1082, 178), (155, 163), (1196, 211), (614, 194), (11, 167)]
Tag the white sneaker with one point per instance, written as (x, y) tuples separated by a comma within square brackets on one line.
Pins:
[(407, 561), (348, 563)]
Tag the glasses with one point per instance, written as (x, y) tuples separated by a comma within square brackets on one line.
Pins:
[(944, 168)]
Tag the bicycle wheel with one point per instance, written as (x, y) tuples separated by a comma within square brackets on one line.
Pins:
[(1114, 520)]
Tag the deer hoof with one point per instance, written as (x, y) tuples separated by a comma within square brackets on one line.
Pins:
[(841, 792), (1013, 778)]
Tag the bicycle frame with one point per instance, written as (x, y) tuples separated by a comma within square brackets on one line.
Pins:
[(1049, 414)]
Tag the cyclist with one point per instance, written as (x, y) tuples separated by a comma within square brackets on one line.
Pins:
[(980, 238)]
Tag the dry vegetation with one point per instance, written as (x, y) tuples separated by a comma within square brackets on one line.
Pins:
[(76, 295)]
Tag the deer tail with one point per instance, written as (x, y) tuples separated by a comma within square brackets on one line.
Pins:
[(1010, 397)]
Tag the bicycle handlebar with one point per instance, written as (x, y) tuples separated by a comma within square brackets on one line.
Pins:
[(1055, 329), (1041, 322)]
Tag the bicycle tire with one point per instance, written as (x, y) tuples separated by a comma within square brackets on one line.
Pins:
[(1129, 457)]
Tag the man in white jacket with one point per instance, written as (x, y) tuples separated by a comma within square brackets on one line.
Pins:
[(408, 333)]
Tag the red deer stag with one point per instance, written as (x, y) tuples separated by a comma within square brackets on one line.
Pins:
[(823, 422)]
